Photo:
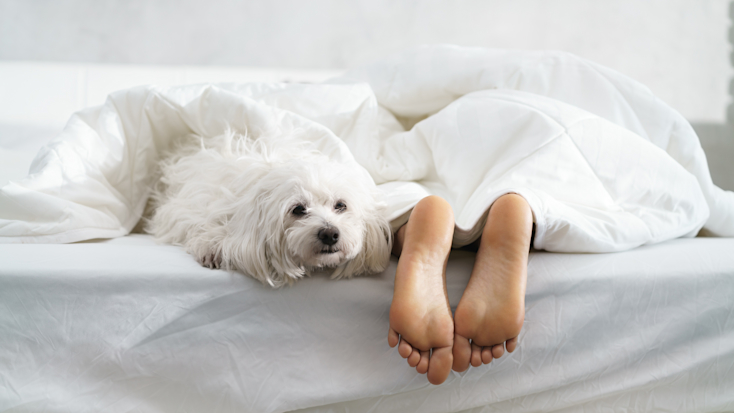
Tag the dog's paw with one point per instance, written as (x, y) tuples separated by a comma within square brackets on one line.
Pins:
[(211, 260)]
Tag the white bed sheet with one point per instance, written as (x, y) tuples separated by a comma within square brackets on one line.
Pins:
[(128, 325)]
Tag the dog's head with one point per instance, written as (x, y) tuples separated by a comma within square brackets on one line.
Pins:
[(306, 213)]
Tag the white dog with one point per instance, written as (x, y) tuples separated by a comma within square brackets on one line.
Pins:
[(273, 209)]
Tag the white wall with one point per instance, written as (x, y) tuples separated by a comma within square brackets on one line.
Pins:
[(679, 48)]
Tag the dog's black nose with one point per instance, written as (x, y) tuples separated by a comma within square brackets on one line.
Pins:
[(329, 235)]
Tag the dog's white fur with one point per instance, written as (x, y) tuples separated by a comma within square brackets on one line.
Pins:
[(257, 206)]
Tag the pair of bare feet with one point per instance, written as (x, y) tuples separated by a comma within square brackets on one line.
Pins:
[(491, 312)]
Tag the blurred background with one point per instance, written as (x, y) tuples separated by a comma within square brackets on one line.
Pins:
[(60, 56)]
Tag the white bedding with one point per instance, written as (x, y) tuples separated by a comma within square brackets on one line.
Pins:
[(604, 165), (128, 325)]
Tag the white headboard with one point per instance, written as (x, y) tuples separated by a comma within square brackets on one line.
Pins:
[(47, 93)]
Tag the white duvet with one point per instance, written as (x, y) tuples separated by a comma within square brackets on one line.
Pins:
[(604, 164)]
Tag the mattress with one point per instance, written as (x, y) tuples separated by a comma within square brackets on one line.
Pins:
[(126, 325)]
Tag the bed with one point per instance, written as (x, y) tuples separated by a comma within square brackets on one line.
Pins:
[(126, 324)]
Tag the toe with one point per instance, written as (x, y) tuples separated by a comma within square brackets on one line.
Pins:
[(440, 365), (393, 338), (404, 348), (511, 344), (461, 352), (414, 358), (476, 355), (498, 350), (422, 366), (486, 355)]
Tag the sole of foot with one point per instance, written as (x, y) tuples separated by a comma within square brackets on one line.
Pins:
[(421, 324), (491, 311)]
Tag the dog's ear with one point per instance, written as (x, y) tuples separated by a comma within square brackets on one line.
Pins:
[(375, 254), (244, 251), (257, 246)]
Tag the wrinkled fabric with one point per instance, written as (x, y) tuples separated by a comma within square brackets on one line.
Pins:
[(129, 325), (604, 165)]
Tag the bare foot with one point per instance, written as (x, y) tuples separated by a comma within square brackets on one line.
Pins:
[(492, 309), (420, 316)]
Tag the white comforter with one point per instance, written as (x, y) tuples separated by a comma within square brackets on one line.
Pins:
[(604, 164)]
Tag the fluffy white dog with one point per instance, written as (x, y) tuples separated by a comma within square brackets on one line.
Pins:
[(272, 208)]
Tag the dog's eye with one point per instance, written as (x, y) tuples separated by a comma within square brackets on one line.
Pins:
[(299, 211), (340, 206)]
